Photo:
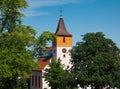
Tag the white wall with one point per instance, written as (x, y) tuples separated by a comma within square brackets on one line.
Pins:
[(45, 84), (57, 53)]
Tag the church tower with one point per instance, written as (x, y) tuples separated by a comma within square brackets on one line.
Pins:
[(62, 43)]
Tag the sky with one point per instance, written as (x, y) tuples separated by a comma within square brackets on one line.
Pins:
[(80, 17)]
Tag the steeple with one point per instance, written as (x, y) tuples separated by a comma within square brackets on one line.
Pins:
[(61, 29), (62, 43)]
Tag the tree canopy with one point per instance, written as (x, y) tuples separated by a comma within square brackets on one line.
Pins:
[(56, 76), (96, 61), (10, 14), (16, 58), (41, 43)]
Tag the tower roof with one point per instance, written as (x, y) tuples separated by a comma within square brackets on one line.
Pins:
[(61, 29)]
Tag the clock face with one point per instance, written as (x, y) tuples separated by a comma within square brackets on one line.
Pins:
[(64, 50)]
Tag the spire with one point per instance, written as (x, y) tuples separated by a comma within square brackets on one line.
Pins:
[(61, 13), (61, 29)]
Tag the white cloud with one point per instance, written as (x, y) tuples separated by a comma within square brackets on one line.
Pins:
[(35, 4), (44, 3), (88, 1), (30, 13)]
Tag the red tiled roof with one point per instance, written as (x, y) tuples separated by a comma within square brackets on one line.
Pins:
[(61, 29), (42, 62)]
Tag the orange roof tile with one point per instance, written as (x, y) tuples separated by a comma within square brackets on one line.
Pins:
[(43, 62)]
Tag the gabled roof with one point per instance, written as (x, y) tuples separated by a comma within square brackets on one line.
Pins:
[(61, 29), (42, 62)]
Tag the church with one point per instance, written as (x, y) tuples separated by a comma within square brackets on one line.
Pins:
[(60, 49)]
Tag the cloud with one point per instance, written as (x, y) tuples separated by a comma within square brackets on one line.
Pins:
[(88, 1), (45, 3), (34, 5), (31, 13)]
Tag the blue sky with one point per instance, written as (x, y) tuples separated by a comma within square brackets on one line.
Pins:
[(80, 17)]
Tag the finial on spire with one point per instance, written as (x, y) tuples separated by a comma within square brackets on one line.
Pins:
[(61, 13)]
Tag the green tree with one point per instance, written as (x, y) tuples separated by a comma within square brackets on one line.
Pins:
[(56, 76), (41, 43), (10, 14), (96, 61), (16, 58)]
